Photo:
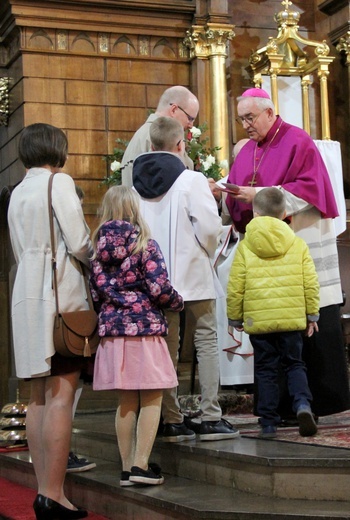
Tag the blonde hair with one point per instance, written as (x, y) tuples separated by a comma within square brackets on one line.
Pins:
[(165, 133), (122, 203), (270, 202)]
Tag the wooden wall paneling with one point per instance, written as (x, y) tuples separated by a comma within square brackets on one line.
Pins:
[(79, 92), (87, 142), (153, 93), (85, 166), (52, 66), (125, 118), (144, 71), (124, 95), (65, 116), (51, 90)]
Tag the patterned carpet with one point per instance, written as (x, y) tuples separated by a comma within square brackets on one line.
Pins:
[(333, 430), (330, 436)]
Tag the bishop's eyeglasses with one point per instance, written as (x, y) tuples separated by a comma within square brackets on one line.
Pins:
[(249, 120)]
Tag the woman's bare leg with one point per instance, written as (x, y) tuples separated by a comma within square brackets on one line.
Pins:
[(49, 430), (34, 426)]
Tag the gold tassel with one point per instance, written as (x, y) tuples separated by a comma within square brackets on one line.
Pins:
[(87, 350)]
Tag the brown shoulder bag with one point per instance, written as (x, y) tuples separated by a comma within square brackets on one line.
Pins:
[(74, 333)]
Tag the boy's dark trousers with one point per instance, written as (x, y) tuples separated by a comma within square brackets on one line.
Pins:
[(271, 351)]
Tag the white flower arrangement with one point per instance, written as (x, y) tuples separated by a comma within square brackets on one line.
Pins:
[(204, 159), (115, 165)]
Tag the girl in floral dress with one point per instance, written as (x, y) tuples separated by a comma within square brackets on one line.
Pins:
[(130, 289)]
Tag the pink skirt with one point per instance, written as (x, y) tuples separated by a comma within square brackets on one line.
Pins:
[(133, 363)]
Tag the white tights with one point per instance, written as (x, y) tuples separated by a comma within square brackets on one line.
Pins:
[(136, 425)]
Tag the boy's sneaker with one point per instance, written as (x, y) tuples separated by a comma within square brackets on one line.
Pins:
[(307, 424), (217, 430), (77, 464), (125, 479), (177, 433), (268, 432), (149, 476)]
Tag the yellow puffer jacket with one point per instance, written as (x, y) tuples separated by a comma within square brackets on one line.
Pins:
[(273, 285)]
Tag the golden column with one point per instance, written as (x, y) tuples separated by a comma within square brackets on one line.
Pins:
[(210, 42), (305, 87), (323, 74)]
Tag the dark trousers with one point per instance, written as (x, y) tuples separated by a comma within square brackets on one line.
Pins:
[(325, 358), (272, 351)]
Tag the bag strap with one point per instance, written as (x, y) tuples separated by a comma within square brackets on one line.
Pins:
[(53, 247), (53, 252)]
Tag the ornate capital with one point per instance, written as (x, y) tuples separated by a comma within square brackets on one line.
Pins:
[(209, 40), (195, 40), (4, 101), (344, 46), (217, 37)]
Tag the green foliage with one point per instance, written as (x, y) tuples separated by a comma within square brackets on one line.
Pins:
[(114, 164), (203, 157)]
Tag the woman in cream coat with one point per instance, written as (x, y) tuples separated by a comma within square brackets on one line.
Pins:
[(43, 150)]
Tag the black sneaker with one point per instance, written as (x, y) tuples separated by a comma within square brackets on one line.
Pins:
[(193, 424), (177, 433), (217, 430), (141, 476), (77, 465), (125, 475), (125, 479)]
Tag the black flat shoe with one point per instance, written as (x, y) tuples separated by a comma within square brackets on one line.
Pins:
[(47, 509)]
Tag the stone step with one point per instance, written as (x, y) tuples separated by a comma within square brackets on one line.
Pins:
[(178, 498), (267, 468)]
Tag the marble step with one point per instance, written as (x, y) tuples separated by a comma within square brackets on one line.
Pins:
[(178, 498), (267, 468)]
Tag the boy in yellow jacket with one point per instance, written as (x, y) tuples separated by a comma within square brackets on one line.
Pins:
[(273, 295)]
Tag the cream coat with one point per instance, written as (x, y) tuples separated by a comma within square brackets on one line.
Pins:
[(185, 223), (33, 303)]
